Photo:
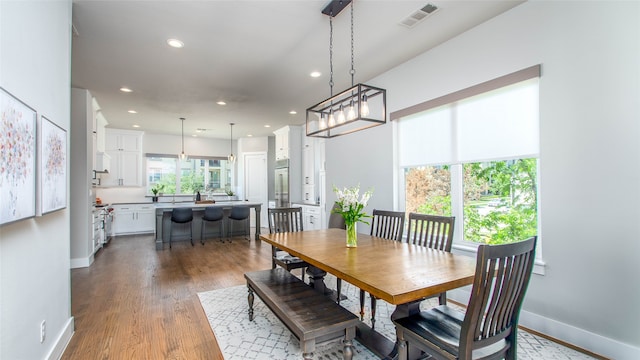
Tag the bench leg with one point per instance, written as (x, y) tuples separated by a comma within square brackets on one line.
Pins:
[(348, 350), (349, 334), (250, 297), (308, 346)]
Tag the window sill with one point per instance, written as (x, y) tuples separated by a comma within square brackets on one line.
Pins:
[(539, 265)]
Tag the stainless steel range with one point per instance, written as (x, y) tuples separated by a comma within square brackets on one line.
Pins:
[(105, 228), (107, 218)]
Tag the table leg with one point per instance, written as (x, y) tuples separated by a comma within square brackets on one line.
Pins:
[(258, 210), (316, 279), (379, 344)]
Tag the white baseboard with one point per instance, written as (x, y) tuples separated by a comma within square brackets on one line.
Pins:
[(583, 339), (62, 341), (81, 262)]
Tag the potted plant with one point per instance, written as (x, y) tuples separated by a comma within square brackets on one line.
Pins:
[(155, 190)]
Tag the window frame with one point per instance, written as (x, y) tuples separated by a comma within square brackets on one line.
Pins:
[(178, 172)]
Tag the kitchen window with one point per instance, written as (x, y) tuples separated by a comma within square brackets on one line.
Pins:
[(475, 157), (208, 175)]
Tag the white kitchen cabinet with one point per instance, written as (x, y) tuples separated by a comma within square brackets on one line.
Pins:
[(312, 163), (101, 124), (123, 140), (312, 218), (308, 164), (287, 142), (133, 219), (309, 194), (124, 147)]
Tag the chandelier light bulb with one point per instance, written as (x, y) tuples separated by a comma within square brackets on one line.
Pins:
[(364, 109), (322, 123), (332, 119), (351, 113), (341, 118)]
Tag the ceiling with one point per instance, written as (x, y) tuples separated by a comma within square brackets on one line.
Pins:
[(254, 55)]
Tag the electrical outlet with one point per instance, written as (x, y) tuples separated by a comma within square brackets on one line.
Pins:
[(43, 330)]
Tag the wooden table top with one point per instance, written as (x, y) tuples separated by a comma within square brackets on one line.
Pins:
[(395, 272)]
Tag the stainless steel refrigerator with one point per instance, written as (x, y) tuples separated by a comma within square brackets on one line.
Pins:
[(282, 183)]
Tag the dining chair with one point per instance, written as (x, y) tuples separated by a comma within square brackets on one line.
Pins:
[(488, 328), (285, 220), (239, 213), (434, 232), (336, 221), (212, 214), (389, 225), (181, 215)]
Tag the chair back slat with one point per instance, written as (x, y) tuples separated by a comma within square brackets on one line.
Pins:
[(502, 276), (432, 231), (388, 224), (285, 219)]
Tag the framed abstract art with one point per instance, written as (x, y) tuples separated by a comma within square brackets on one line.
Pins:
[(17, 159), (52, 167)]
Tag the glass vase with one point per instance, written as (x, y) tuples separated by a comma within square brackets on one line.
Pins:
[(352, 235)]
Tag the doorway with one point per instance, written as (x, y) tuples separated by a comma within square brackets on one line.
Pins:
[(255, 182)]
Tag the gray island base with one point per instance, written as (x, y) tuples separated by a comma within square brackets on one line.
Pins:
[(163, 220)]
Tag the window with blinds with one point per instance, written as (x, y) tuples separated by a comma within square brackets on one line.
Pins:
[(476, 158)]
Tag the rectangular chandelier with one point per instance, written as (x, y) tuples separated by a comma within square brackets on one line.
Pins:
[(357, 108)]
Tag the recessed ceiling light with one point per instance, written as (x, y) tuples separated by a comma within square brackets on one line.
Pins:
[(315, 74), (293, 112), (249, 135), (267, 126), (125, 89), (136, 125), (175, 43), (132, 112), (221, 103)]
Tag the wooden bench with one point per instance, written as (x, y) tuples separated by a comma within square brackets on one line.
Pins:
[(309, 315)]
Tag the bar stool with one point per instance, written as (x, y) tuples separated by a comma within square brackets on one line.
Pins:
[(212, 214), (238, 213), (181, 216)]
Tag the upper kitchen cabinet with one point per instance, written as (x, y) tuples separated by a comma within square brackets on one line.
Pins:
[(123, 140), (99, 127), (287, 141), (125, 149), (312, 165)]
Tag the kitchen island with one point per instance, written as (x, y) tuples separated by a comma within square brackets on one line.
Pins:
[(163, 219)]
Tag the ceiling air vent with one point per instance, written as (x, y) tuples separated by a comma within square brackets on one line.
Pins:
[(418, 15)]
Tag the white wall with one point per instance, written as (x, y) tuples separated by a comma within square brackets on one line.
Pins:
[(589, 162), (35, 48)]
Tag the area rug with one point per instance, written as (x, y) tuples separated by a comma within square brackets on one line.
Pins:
[(267, 338)]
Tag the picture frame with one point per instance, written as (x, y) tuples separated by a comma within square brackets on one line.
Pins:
[(17, 159), (52, 166)]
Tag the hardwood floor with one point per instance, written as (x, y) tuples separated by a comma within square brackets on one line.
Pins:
[(135, 302)]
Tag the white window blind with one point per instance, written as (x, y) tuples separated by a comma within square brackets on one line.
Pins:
[(498, 124)]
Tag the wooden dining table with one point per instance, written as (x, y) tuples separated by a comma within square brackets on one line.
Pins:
[(399, 273)]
